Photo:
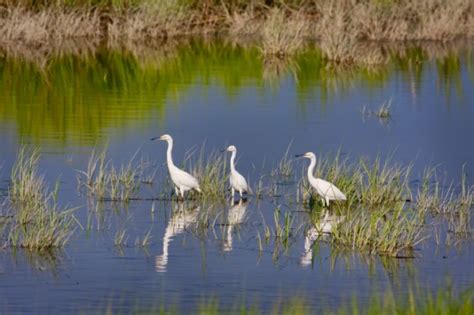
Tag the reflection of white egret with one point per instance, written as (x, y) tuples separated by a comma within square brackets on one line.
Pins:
[(322, 228), (325, 189), (235, 216), (180, 220), (182, 181), (237, 181)]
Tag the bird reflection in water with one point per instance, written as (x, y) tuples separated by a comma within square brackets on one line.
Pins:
[(235, 216), (321, 230), (184, 215)]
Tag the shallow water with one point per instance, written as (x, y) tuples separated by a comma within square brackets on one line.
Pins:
[(220, 94)]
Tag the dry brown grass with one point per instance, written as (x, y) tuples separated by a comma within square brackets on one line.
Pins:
[(153, 20), (281, 28), (37, 28), (282, 35)]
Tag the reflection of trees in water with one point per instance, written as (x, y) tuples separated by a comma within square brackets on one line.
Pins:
[(76, 90)]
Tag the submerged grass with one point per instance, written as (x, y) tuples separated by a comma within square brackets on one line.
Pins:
[(37, 220)]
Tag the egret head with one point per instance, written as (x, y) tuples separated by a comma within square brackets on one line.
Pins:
[(308, 155), (164, 137), (231, 148)]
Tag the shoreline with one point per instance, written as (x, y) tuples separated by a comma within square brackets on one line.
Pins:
[(278, 30)]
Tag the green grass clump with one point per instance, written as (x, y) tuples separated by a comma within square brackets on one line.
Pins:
[(211, 171), (393, 231), (105, 182), (37, 222), (384, 213)]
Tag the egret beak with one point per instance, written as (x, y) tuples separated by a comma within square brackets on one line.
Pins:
[(156, 138), (223, 150), (299, 155)]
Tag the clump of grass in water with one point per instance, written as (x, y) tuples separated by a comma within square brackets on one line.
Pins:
[(372, 184), (37, 221), (383, 112), (281, 233), (26, 185), (382, 213), (385, 231), (211, 171), (105, 182)]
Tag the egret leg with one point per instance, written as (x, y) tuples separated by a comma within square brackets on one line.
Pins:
[(323, 201), (176, 191), (232, 191), (327, 201), (182, 193)]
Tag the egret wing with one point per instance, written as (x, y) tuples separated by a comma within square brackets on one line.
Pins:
[(185, 179), (330, 190)]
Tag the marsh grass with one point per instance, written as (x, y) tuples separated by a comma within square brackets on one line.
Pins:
[(121, 237), (282, 35), (106, 182), (393, 232), (211, 170), (383, 112), (369, 183), (281, 232), (282, 28), (416, 301), (385, 213), (37, 220)]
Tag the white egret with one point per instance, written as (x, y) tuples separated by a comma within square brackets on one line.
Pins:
[(325, 189), (237, 181), (182, 181), (235, 216), (180, 220)]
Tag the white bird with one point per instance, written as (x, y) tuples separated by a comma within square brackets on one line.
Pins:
[(182, 181), (237, 181), (235, 216), (181, 220), (325, 189)]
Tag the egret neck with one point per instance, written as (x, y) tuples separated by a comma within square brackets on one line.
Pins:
[(311, 167), (169, 158), (232, 159)]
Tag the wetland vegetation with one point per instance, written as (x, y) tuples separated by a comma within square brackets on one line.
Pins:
[(86, 202)]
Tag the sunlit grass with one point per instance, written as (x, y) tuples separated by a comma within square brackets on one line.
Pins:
[(384, 214), (211, 170), (37, 222), (104, 181)]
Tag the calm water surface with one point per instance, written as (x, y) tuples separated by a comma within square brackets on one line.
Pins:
[(220, 94)]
